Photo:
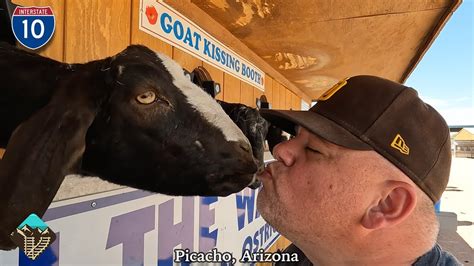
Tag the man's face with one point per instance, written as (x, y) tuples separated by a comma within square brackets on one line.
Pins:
[(317, 187)]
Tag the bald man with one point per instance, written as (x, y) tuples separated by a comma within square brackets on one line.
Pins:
[(357, 183)]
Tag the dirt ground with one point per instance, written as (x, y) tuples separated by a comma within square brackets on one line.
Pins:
[(457, 211)]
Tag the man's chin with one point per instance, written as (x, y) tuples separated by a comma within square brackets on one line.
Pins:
[(262, 205), (266, 207)]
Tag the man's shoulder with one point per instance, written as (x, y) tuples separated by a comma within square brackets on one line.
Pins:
[(437, 257)]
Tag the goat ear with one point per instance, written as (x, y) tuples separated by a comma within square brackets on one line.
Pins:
[(41, 152)]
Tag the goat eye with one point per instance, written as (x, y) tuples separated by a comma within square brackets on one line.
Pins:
[(146, 98)]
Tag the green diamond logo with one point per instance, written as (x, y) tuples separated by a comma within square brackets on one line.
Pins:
[(33, 236)]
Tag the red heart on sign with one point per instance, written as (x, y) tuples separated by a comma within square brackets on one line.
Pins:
[(151, 14)]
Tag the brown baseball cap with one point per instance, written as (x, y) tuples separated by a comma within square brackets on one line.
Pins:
[(372, 113)]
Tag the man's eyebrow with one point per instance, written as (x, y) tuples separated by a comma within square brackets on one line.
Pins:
[(315, 138), (320, 141)]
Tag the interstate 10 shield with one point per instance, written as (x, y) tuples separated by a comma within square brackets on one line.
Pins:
[(33, 26)]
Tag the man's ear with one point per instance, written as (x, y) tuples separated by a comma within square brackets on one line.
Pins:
[(395, 206)]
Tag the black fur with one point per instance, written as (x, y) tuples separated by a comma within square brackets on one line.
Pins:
[(58, 119), (252, 124)]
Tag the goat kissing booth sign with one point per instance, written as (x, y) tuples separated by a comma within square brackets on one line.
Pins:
[(163, 22), (134, 227)]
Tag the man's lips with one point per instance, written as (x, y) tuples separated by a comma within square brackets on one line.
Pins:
[(267, 173)]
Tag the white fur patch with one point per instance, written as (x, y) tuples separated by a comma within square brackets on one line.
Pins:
[(203, 102)]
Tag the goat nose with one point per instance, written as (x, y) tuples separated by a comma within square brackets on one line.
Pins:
[(244, 162)]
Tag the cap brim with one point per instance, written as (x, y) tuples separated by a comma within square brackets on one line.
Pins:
[(315, 123)]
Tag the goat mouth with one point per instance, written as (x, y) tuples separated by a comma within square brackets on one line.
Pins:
[(255, 183), (224, 185)]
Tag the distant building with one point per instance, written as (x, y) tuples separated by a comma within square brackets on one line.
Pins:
[(463, 144)]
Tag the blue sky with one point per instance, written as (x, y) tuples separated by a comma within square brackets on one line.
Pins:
[(444, 77)]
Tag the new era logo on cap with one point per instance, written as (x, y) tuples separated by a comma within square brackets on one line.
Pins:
[(399, 144)]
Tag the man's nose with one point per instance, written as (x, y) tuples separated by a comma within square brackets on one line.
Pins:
[(285, 153)]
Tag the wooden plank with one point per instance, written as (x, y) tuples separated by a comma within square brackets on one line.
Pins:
[(307, 99), (246, 94), (295, 102), (55, 47), (281, 244), (186, 60), (141, 37), (287, 99), (96, 29), (269, 88), (276, 95), (231, 89), (218, 76), (282, 92)]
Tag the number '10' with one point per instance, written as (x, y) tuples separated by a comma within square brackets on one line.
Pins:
[(33, 32)]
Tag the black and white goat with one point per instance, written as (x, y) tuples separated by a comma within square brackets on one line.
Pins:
[(132, 119)]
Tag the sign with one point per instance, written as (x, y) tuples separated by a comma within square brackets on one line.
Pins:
[(161, 21), (33, 26), (135, 227)]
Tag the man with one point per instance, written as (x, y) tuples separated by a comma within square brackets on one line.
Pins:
[(357, 183)]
